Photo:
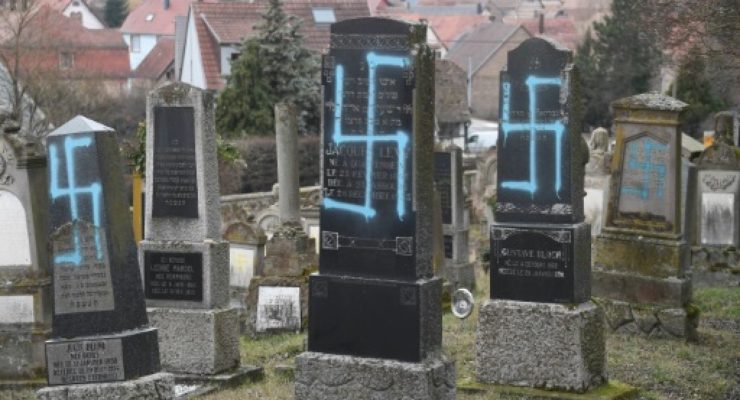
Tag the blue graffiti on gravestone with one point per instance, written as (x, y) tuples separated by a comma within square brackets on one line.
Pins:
[(374, 61), (640, 162), (72, 191), (533, 128)]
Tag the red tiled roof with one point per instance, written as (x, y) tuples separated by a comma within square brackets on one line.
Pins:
[(161, 23), (230, 23), (561, 29), (58, 5), (447, 27), (479, 44), (155, 64), (50, 28)]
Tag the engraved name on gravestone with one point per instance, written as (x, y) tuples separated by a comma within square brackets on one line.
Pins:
[(535, 144), (173, 276), (86, 361), (367, 219), (175, 183)]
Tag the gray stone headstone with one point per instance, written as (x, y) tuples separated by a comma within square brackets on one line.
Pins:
[(99, 329), (184, 260), (719, 196), (25, 299)]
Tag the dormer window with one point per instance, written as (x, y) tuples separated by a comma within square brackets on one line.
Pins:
[(323, 15)]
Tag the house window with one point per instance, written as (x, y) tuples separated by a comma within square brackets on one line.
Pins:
[(66, 60), (324, 15), (234, 56), (135, 43)]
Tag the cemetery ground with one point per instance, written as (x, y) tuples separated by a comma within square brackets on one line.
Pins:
[(662, 369)]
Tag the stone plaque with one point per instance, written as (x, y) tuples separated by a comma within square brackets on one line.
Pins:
[(535, 145), (448, 244), (443, 182), (642, 192), (532, 264), (367, 218), (242, 265), (278, 308), (82, 276), (13, 231), (175, 180), (718, 217), (85, 361), (16, 310), (173, 276)]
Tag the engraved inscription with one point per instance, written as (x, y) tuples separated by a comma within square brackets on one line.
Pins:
[(173, 276), (86, 361)]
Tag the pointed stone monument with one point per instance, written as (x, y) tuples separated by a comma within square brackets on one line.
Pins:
[(540, 329), (101, 344), (642, 258), (25, 295), (184, 260), (375, 309)]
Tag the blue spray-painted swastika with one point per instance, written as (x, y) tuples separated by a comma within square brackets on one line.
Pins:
[(533, 127), (73, 191), (401, 138), (640, 160)]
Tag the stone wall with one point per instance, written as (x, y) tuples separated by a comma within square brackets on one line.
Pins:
[(249, 208)]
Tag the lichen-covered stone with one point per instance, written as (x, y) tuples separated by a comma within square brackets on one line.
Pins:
[(321, 376), (158, 386), (645, 319), (617, 313), (541, 345)]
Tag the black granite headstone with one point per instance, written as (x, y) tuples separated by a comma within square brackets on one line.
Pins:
[(173, 276), (175, 178), (375, 295), (443, 182), (98, 296)]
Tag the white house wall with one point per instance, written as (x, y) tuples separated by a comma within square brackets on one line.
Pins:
[(146, 44), (89, 20), (192, 63)]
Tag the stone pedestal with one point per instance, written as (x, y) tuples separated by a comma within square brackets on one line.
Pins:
[(551, 346), (321, 376), (159, 386), (197, 341)]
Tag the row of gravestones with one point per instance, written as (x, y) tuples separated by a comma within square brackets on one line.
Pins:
[(375, 326)]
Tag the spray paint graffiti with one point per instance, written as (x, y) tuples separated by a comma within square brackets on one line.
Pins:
[(73, 191), (400, 138), (533, 127), (642, 155)]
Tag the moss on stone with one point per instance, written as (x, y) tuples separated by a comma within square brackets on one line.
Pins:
[(613, 390)]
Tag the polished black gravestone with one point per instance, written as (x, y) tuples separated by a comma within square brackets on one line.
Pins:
[(99, 322), (173, 276), (538, 250)]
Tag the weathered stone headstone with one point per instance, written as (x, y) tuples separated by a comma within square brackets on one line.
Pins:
[(540, 329), (375, 306), (25, 296), (100, 333), (457, 268), (597, 179), (641, 261), (185, 262), (290, 252), (246, 255)]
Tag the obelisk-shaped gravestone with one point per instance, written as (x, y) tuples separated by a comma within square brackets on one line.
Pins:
[(185, 262), (25, 298), (457, 268), (99, 329), (641, 257), (540, 329), (375, 307)]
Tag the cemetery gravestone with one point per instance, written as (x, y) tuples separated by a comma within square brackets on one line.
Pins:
[(99, 329), (597, 179), (278, 298), (375, 306), (25, 296), (184, 261), (246, 254), (455, 221), (641, 260), (540, 329)]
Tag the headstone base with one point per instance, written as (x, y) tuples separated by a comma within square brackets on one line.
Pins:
[(159, 386), (252, 300), (650, 320), (290, 252), (635, 288), (541, 345), (461, 275), (608, 391), (100, 359), (321, 376), (22, 352), (715, 266), (197, 341), (626, 251)]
